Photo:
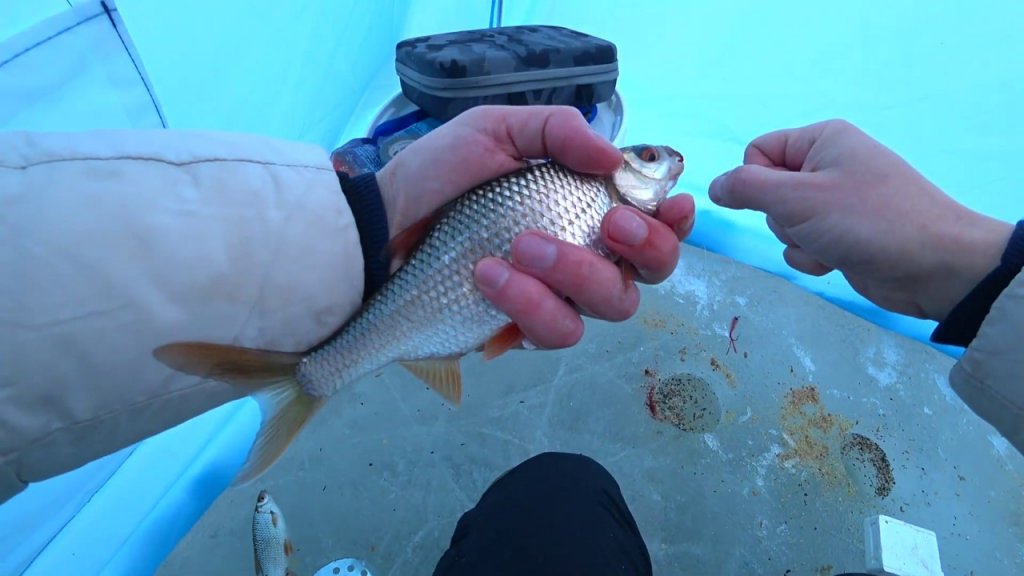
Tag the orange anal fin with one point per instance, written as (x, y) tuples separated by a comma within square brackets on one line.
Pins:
[(288, 549), (510, 336), (443, 375), (407, 240)]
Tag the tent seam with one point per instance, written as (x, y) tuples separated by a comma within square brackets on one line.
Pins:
[(47, 39), (149, 92), (164, 161), (42, 549)]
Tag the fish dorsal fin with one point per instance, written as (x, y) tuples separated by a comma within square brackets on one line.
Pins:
[(443, 375), (248, 368), (405, 242), (509, 337)]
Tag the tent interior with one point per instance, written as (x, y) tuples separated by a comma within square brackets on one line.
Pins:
[(384, 477)]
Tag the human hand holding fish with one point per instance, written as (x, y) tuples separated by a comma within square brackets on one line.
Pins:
[(490, 141), (471, 282)]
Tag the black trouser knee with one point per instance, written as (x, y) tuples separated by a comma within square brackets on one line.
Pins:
[(555, 513)]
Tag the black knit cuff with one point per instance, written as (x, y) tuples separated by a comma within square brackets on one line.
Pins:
[(367, 206), (964, 321)]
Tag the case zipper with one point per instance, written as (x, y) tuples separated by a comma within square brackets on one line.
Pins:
[(511, 82)]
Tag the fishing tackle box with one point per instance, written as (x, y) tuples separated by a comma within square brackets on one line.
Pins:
[(447, 74)]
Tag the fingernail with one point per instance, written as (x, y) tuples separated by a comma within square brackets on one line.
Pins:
[(627, 228), (713, 188), (684, 226), (492, 274), (533, 251)]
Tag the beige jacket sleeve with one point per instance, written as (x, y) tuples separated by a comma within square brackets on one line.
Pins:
[(113, 243), (990, 375)]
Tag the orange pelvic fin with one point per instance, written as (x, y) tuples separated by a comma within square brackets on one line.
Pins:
[(510, 336), (443, 375)]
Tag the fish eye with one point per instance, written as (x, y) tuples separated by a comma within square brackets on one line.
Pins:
[(649, 154)]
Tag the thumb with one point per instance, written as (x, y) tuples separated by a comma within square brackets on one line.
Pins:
[(753, 187)]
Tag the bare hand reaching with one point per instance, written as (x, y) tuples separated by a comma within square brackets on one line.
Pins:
[(839, 200)]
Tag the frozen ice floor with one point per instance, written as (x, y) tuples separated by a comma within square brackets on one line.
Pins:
[(753, 462)]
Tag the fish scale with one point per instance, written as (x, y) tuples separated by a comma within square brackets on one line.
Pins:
[(430, 314), (433, 298)]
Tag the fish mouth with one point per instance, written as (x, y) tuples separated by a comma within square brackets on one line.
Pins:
[(261, 499), (678, 162), (676, 167)]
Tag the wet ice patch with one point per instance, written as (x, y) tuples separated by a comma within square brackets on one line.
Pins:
[(686, 287), (885, 375), (1000, 444), (767, 459), (746, 416), (880, 363), (803, 357), (713, 444), (943, 383)]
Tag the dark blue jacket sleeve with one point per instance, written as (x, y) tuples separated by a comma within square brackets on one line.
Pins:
[(371, 219), (963, 322)]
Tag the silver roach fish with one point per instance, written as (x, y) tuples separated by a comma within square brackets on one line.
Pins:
[(272, 549), (430, 313)]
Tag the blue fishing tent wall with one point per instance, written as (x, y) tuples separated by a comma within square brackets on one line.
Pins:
[(940, 82)]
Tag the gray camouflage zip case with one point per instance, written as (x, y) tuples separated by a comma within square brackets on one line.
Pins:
[(446, 74)]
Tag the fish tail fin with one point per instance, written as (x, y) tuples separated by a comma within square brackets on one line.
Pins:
[(268, 376), (284, 411)]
